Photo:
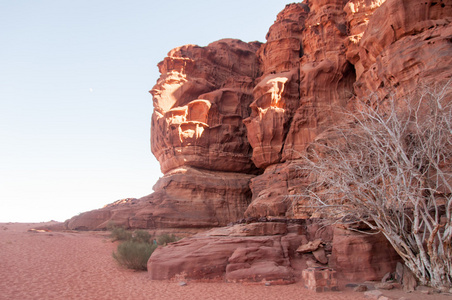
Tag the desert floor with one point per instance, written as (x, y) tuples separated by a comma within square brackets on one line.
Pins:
[(79, 265)]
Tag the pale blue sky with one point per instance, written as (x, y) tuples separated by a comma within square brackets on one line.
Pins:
[(74, 103)]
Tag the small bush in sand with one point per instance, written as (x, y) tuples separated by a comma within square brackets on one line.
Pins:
[(165, 239), (141, 236), (134, 255), (135, 250), (120, 234)]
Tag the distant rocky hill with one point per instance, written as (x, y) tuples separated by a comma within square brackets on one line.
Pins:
[(232, 119)]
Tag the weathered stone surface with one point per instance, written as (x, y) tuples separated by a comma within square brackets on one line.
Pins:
[(350, 49), (406, 44), (320, 279), (309, 247), (276, 95), (234, 258), (360, 288), (359, 257), (229, 111), (189, 197), (358, 14), (384, 286), (409, 281), (375, 294), (320, 255), (118, 212), (200, 101), (274, 193), (266, 252), (326, 77), (259, 229), (184, 198)]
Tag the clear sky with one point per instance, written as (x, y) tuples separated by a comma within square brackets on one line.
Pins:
[(74, 103)]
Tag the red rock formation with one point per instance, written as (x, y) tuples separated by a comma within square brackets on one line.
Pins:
[(359, 257), (192, 198), (350, 49), (274, 192), (200, 140), (183, 198), (407, 44), (326, 77), (268, 252), (276, 95), (232, 121), (325, 81), (317, 56), (200, 101), (230, 253), (358, 14)]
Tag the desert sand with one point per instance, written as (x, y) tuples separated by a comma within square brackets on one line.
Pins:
[(79, 265)]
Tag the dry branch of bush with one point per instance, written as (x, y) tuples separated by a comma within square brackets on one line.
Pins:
[(391, 168)]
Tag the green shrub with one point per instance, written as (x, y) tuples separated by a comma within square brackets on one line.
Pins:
[(134, 255), (120, 234), (165, 239), (141, 236), (111, 225)]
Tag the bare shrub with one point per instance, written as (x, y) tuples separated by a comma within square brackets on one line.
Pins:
[(391, 168)]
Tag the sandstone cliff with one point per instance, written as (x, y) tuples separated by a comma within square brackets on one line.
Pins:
[(232, 119)]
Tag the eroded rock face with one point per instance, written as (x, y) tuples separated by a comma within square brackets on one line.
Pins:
[(349, 50), (326, 77), (406, 44), (193, 198), (232, 122), (236, 107), (274, 192), (318, 59), (184, 198), (231, 254), (199, 138), (200, 101), (276, 94), (359, 257), (270, 252)]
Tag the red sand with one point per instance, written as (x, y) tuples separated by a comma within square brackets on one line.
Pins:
[(79, 265)]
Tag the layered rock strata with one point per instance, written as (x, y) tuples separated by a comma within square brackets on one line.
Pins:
[(247, 109), (232, 122), (276, 94), (184, 198), (268, 252), (199, 138), (349, 50), (200, 101)]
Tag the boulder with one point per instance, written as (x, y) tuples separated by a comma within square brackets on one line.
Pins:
[(309, 247), (231, 258), (409, 282), (374, 294), (359, 257), (320, 255)]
